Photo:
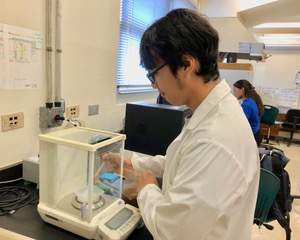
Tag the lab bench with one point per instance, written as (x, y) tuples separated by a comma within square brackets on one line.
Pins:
[(27, 221)]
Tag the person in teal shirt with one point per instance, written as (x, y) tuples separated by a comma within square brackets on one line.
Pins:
[(252, 105)]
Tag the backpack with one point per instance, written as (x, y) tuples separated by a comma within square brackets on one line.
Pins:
[(274, 160)]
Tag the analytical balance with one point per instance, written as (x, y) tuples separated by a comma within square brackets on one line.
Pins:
[(70, 198)]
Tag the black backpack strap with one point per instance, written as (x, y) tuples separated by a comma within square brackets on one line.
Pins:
[(282, 218)]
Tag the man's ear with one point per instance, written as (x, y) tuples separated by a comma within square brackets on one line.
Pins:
[(186, 61), (186, 64)]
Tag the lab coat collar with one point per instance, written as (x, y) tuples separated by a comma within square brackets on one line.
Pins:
[(213, 98)]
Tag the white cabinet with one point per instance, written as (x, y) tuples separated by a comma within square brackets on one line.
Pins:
[(233, 72)]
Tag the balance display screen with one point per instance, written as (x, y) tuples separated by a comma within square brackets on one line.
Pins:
[(121, 217)]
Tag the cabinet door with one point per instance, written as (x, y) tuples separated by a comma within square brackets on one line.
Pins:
[(264, 128)]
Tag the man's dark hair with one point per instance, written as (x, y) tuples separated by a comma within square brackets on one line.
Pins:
[(181, 31)]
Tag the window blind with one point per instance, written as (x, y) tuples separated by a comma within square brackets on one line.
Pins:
[(136, 16)]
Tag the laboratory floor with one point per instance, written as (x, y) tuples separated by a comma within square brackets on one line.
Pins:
[(293, 168)]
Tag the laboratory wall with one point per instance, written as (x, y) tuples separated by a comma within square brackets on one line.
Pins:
[(89, 67)]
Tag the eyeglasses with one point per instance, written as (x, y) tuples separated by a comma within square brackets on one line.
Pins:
[(150, 76)]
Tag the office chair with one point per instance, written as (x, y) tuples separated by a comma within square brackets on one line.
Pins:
[(269, 185), (269, 117), (291, 123)]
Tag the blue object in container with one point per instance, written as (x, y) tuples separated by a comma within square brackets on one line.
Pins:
[(110, 177)]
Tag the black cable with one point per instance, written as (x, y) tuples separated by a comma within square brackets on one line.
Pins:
[(13, 198)]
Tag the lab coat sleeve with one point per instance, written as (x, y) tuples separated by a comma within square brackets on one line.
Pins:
[(156, 164), (206, 188)]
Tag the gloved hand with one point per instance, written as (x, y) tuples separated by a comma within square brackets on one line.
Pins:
[(112, 162), (146, 178), (135, 181)]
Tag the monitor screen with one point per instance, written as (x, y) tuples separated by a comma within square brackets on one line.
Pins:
[(151, 127)]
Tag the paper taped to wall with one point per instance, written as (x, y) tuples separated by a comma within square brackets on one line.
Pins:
[(286, 97), (20, 58)]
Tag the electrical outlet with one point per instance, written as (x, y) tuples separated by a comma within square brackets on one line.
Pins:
[(93, 110), (72, 111), (12, 121)]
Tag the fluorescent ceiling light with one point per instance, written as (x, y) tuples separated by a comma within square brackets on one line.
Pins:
[(278, 39), (279, 25), (267, 23)]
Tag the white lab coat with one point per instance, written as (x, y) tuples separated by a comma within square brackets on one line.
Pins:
[(210, 176)]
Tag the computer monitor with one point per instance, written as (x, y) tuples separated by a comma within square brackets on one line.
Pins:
[(151, 127)]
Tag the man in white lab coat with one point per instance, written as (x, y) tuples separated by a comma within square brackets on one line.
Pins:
[(211, 170)]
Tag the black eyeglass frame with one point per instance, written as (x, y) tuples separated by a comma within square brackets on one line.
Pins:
[(151, 77)]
